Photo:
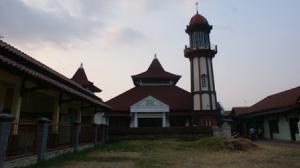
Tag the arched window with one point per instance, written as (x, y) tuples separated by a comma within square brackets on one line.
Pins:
[(203, 80)]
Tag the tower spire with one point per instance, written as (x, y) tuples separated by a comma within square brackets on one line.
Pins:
[(197, 6), (155, 57), (81, 65)]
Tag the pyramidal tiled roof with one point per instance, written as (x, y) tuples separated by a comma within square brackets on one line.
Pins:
[(156, 71), (173, 96), (81, 78)]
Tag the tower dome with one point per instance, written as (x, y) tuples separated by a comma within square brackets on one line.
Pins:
[(198, 19)]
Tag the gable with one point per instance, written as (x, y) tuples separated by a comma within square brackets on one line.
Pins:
[(149, 104)]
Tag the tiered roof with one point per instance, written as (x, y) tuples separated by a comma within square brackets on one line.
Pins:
[(155, 72), (179, 100)]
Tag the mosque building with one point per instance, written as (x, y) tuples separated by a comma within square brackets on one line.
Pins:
[(156, 101)]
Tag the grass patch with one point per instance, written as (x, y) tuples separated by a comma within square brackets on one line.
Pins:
[(128, 146), (163, 153)]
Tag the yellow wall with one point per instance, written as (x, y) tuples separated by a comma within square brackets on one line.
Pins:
[(32, 105), (9, 85)]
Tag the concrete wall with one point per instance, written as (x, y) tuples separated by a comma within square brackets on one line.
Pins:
[(284, 129), (266, 129), (283, 126)]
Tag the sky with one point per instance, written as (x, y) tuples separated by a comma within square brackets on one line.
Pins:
[(258, 41)]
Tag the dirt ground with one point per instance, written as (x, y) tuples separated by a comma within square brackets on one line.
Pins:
[(181, 154)]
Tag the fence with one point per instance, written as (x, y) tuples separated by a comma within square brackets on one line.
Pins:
[(61, 138), (86, 133), (32, 139), (23, 143)]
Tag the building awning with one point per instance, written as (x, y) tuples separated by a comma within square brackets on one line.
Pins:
[(15, 61)]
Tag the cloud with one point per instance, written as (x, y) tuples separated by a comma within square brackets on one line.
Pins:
[(25, 23), (128, 35)]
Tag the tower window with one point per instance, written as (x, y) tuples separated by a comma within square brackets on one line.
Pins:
[(203, 80)]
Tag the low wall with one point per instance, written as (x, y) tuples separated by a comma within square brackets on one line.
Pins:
[(30, 160), (153, 133)]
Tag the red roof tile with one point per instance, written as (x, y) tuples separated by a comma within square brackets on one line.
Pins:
[(175, 97), (81, 78), (283, 99), (156, 71)]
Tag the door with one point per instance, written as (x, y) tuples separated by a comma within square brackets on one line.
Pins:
[(273, 126), (150, 122), (294, 127), (260, 129)]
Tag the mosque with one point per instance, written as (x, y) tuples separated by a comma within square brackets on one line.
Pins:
[(156, 101), (32, 94)]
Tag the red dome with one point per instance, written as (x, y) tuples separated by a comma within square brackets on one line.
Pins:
[(198, 20)]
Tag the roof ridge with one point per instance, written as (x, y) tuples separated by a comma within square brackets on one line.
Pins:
[(275, 94), (22, 54)]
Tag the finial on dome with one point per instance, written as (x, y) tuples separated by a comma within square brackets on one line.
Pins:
[(197, 6), (81, 65), (155, 57)]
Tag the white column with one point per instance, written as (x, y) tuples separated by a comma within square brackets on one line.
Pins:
[(298, 135), (16, 107), (164, 120), (55, 115), (167, 120), (132, 120), (135, 120), (187, 122)]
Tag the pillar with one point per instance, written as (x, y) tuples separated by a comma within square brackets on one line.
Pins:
[(78, 117), (5, 122), (2, 97), (164, 123), (95, 134), (298, 135), (43, 124), (16, 107), (76, 132), (135, 120), (55, 116)]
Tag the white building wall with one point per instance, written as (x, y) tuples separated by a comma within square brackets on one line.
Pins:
[(213, 102), (203, 70), (284, 129), (203, 65), (205, 102), (210, 74), (196, 102), (196, 74)]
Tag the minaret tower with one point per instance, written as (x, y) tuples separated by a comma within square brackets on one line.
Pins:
[(200, 53)]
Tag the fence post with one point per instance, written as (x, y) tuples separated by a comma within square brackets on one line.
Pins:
[(76, 128), (5, 122), (43, 124)]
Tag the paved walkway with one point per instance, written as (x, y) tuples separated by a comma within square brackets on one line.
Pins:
[(279, 143)]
